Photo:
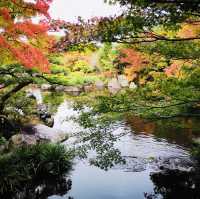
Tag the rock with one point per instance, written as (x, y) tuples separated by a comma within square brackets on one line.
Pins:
[(114, 86), (17, 140), (123, 81), (2, 86), (45, 133), (88, 88), (21, 140), (60, 88), (73, 90), (30, 140), (46, 87), (45, 115), (99, 85), (133, 85), (42, 108), (49, 121), (36, 94), (32, 134), (196, 140), (3, 147)]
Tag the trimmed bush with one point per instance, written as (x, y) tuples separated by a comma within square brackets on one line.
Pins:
[(34, 163)]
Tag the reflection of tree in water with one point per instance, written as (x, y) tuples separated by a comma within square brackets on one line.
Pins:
[(178, 130), (175, 184), (42, 189)]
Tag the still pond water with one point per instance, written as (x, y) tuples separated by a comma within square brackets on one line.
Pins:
[(157, 163)]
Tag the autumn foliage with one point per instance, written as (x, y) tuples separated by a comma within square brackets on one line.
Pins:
[(19, 35), (135, 62)]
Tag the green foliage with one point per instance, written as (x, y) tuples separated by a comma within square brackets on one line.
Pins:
[(98, 137), (107, 55), (163, 97), (72, 79), (53, 100), (55, 59), (82, 66), (2, 141), (196, 152), (85, 47), (26, 164), (57, 69), (173, 50)]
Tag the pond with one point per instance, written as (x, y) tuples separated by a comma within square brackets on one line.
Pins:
[(158, 164)]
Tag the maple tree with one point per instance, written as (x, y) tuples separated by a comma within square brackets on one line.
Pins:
[(24, 45), (19, 36), (136, 61)]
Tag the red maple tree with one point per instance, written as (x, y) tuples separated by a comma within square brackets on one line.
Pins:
[(19, 35)]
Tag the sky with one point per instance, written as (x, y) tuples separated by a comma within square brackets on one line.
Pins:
[(69, 10)]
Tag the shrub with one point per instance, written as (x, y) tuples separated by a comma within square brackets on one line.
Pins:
[(82, 66), (27, 164), (196, 152), (56, 69)]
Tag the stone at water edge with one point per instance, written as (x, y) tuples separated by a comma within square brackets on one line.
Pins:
[(99, 85), (73, 90), (114, 86), (21, 140), (196, 140), (43, 132), (123, 81), (46, 87), (88, 88), (133, 85), (60, 88)]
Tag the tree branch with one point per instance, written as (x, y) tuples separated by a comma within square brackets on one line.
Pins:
[(7, 95)]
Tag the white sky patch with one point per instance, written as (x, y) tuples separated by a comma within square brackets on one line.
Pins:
[(69, 10)]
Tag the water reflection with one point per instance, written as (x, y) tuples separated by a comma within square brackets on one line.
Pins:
[(41, 189), (147, 157), (157, 162), (171, 184), (179, 131)]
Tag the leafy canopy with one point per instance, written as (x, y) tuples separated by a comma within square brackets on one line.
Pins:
[(21, 40)]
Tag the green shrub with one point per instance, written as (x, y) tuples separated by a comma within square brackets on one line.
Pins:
[(107, 56), (26, 164), (79, 78), (55, 60), (2, 141), (196, 152), (56, 69), (73, 78), (82, 66)]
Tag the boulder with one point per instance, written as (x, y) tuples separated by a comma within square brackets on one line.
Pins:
[(123, 81), (196, 140), (46, 87), (60, 88), (133, 85), (73, 90), (2, 86), (32, 134), (114, 86), (45, 133), (99, 85), (21, 140), (88, 88)]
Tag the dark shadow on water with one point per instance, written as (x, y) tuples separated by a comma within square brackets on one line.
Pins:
[(175, 184), (41, 189)]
